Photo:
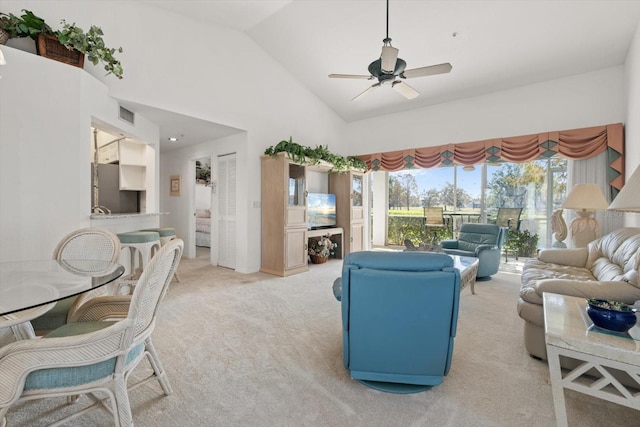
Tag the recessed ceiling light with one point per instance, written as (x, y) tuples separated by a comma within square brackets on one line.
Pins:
[(173, 139)]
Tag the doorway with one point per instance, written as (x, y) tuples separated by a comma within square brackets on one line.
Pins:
[(203, 207), (226, 212)]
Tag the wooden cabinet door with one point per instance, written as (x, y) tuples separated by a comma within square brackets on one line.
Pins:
[(295, 248), (357, 237)]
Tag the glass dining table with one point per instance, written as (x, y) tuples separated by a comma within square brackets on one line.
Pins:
[(29, 289)]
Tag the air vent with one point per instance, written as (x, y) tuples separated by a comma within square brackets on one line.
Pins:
[(127, 115)]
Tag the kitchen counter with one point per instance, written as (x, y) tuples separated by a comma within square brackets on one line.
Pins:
[(124, 222), (125, 215)]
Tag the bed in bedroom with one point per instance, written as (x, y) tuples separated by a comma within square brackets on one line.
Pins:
[(203, 227)]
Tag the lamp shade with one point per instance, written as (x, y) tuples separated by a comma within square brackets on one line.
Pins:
[(628, 199), (388, 59), (586, 197)]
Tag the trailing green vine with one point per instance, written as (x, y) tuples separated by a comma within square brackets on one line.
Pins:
[(302, 154)]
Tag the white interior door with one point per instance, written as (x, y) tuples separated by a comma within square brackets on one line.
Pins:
[(227, 211)]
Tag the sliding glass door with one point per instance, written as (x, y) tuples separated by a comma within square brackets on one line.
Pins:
[(538, 187)]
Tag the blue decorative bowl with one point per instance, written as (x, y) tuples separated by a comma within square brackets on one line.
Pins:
[(611, 315)]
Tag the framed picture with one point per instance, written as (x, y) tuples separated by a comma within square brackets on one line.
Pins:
[(175, 185)]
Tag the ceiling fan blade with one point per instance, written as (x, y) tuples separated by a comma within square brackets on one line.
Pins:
[(406, 90), (369, 89), (349, 76), (388, 59), (427, 71)]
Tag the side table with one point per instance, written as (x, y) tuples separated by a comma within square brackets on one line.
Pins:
[(569, 332)]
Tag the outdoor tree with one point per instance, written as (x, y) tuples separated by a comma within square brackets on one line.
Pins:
[(506, 186), (430, 197), (511, 182), (395, 192), (462, 197), (409, 189)]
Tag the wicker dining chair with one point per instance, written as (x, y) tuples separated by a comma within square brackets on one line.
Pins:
[(85, 243), (14, 327), (93, 356)]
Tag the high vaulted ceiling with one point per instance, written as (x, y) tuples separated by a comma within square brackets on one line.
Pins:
[(492, 44)]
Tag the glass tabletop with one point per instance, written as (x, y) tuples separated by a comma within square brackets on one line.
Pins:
[(28, 284)]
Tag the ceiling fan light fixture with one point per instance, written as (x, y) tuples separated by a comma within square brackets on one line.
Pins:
[(469, 168), (388, 59)]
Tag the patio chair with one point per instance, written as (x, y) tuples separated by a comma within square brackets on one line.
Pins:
[(85, 243), (509, 219), (93, 356), (434, 220)]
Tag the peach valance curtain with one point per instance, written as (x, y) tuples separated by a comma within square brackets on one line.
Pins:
[(572, 144)]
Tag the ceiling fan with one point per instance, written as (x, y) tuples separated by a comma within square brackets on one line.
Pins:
[(390, 69)]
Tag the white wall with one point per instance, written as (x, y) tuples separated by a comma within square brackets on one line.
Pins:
[(46, 111), (590, 99), (632, 127), (214, 74), (317, 182)]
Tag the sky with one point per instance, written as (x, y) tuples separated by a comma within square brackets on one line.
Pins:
[(438, 177)]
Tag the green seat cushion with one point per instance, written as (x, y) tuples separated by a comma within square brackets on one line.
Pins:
[(55, 317), (163, 232), (68, 377), (139, 237)]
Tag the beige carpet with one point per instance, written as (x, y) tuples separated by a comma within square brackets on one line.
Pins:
[(258, 350)]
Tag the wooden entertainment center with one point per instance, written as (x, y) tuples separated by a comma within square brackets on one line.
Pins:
[(284, 213)]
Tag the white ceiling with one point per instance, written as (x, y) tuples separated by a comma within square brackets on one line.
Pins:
[(189, 130), (499, 44)]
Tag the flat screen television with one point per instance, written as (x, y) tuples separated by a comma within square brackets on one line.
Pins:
[(321, 210)]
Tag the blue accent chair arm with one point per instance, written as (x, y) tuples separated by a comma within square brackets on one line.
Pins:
[(489, 262), (481, 248), (449, 244)]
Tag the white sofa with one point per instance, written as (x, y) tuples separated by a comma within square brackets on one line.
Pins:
[(606, 269)]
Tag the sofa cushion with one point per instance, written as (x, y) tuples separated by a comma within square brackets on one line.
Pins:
[(535, 270), (616, 256)]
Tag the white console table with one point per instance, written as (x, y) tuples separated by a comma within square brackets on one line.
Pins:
[(568, 333), (333, 232)]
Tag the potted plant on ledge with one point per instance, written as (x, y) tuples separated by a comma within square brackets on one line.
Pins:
[(91, 44), (68, 45)]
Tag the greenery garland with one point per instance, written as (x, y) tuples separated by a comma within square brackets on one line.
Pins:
[(302, 154)]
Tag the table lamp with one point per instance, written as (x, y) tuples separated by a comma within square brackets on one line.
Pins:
[(627, 199), (585, 199)]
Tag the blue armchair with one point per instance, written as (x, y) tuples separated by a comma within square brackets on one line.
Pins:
[(483, 241), (399, 317)]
